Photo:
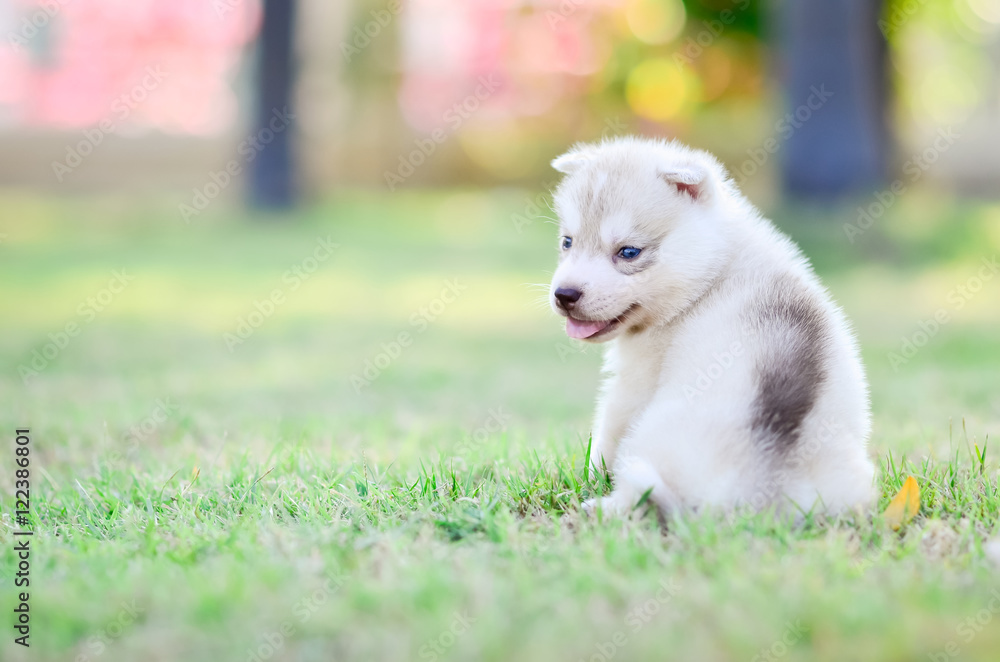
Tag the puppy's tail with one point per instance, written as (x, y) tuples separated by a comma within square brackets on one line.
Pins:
[(641, 477)]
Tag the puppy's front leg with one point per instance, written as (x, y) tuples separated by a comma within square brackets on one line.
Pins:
[(634, 478), (610, 425)]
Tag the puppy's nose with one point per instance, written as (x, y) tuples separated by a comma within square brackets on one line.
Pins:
[(567, 297)]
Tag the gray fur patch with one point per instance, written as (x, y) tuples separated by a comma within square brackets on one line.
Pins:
[(790, 374), (594, 202)]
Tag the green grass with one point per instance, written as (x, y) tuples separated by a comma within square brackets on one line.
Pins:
[(404, 521)]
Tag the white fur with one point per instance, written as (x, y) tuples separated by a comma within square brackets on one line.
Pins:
[(710, 256)]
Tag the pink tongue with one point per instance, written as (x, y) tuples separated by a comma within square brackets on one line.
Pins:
[(579, 329)]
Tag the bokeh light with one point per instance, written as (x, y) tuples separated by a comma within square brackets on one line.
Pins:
[(655, 21), (988, 10), (658, 89)]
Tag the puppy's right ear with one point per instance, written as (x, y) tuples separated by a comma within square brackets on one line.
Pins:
[(690, 180), (572, 160)]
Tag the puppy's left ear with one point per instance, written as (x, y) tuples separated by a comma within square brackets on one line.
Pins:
[(690, 181), (572, 160)]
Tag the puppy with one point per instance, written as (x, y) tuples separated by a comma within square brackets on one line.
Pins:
[(733, 380)]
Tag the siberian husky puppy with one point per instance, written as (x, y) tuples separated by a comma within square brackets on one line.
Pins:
[(733, 380)]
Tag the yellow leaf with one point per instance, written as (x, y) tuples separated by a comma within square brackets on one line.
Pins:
[(904, 506)]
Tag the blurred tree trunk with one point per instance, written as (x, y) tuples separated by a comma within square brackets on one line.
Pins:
[(273, 177), (834, 52)]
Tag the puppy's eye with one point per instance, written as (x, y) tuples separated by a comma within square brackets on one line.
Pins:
[(566, 243), (629, 253)]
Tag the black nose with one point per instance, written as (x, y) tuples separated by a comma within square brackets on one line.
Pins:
[(567, 296)]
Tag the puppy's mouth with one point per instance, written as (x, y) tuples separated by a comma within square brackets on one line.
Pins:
[(590, 329)]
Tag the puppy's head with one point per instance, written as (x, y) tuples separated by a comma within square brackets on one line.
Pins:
[(640, 235)]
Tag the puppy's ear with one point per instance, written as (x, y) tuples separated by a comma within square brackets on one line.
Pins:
[(688, 180), (572, 160)]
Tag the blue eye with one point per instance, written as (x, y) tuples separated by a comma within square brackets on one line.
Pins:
[(629, 253), (567, 242)]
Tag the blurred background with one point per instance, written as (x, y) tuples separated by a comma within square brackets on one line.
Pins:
[(504, 85)]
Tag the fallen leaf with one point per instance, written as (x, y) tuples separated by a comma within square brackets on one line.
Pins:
[(904, 506)]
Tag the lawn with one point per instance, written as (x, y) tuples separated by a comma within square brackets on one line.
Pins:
[(249, 444)]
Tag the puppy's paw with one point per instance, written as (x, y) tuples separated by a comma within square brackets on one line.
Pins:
[(617, 504)]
